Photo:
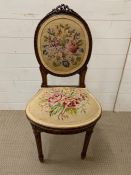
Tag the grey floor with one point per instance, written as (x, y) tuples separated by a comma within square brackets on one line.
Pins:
[(109, 150)]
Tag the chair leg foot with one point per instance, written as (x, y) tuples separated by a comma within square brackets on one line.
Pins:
[(86, 143), (83, 156), (41, 159), (37, 135)]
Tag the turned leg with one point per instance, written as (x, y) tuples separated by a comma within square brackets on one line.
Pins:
[(37, 135), (86, 143)]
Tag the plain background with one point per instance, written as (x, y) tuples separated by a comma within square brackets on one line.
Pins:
[(110, 24)]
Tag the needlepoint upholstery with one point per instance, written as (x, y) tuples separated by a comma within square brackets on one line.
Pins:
[(63, 44), (63, 107)]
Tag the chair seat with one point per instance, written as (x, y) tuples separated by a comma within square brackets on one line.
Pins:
[(63, 107)]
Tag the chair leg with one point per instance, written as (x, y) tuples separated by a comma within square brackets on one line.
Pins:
[(37, 135), (86, 143)]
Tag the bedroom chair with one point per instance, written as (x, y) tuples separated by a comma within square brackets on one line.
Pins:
[(63, 46)]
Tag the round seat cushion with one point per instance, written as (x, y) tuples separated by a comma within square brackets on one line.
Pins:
[(63, 107)]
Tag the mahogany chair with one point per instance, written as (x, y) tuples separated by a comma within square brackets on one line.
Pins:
[(63, 45)]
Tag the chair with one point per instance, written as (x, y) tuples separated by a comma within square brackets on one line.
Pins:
[(63, 45)]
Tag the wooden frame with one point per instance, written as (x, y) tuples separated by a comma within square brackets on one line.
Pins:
[(37, 128)]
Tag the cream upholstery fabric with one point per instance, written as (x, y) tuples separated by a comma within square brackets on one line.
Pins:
[(63, 107)]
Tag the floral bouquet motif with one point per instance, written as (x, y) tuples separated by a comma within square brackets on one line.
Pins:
[(64, 103), (63, 46)]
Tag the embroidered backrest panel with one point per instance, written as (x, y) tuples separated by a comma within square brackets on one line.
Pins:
[(63, 43)]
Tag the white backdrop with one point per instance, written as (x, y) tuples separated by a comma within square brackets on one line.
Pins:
[(110, 24)]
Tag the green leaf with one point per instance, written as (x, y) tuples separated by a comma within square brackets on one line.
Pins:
[(61, 26), (56, 109), (79, 42), (56, 63), (71, 111), (78, 58), (44, 52), (72, 93)]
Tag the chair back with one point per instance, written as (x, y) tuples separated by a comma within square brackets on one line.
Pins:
[(63, 44)]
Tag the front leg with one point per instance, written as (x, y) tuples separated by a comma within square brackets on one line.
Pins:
[(86, 143), (37, 135)]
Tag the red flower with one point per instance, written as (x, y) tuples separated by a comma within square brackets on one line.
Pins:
[(72, 103), (55, 98)]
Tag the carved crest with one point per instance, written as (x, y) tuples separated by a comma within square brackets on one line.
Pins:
[(62, 9)]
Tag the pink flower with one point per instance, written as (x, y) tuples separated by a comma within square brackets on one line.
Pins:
[(72, 103), (55, 98), (72, 46)]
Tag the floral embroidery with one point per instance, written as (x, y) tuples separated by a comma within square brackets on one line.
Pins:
[(64, 103), (63, 46)]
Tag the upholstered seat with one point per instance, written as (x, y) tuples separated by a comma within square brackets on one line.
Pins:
[(63, 107)]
